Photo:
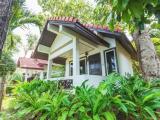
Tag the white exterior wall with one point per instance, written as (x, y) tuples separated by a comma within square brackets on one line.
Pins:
[(124, 60), (93, 80), (111, 41), (30, 72)]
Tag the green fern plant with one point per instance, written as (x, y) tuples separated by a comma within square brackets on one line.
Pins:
[(117, 97)]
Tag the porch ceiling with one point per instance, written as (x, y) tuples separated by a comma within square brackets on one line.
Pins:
[(43, 56), (83, 48)]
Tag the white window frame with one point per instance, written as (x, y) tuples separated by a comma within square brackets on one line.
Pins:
[(105, 59), (82, 58)]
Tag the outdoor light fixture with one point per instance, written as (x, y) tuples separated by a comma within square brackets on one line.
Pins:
[(86, 54)]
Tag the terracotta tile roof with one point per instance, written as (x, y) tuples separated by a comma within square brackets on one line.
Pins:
[(89, 26), (65, 19), (30, 63)]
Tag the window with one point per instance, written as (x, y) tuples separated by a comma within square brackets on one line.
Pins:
[(110, 59), (44, 75), (82, 67), (95, 67)]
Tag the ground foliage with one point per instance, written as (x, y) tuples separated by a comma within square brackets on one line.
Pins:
[(117, 97)]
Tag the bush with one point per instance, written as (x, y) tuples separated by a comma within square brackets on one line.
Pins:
[(16, 77), (117, 97)]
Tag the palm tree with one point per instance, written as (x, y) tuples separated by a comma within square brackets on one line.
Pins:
[(31, 41), (19, 18)]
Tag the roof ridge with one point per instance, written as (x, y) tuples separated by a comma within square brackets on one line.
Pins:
[(94, 26), (87, 25)]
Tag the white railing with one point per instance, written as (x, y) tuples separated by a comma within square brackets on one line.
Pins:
[(61, 78), (93, 80)]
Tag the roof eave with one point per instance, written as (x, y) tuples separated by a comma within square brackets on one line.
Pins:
[(124, 41), (32, 68), (80, 27), (82, 30)]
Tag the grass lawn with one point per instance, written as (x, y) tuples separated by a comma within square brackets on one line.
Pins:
[(4, 115)]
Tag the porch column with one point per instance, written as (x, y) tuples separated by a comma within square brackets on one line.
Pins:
[(76, 66), (41, 75), (103, 64), (49, 69), (26, 75)]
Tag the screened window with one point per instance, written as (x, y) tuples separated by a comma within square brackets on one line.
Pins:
[(111, 64), (82, 67), (95, 67)]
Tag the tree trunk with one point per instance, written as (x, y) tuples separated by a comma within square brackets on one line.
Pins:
[(149, 62), (5, 8), (2, 86)]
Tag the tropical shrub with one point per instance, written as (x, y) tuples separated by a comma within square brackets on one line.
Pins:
[(58, 71), (13, 79), (117, 97), (140, 98), (16, 77)]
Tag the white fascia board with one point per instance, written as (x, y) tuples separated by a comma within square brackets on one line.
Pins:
[(60, 30), (43, 49), (53, 28)]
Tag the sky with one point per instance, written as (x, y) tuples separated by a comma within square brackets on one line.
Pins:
[(33, 6)]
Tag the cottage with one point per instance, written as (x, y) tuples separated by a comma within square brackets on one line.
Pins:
[(89, 52), (30, 67)]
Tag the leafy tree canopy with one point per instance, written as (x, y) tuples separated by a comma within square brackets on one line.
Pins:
[(21, 16), (11, 42), (80, 9), (7, 65), (133, 12)]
